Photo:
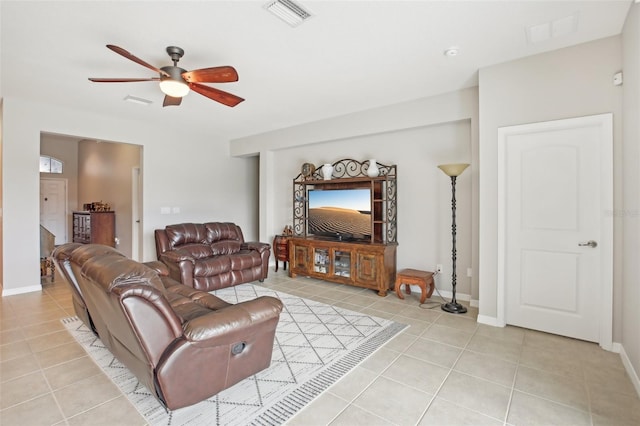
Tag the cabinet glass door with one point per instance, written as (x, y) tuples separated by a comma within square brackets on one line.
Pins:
[(342, 263), (321, 260)]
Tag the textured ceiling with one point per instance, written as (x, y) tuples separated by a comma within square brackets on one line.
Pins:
[(350, 56)]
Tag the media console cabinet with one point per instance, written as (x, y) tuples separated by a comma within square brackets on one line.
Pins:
[(360, 264), (364, 259)]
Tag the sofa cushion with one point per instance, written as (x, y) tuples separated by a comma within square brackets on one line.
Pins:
[(218, 231), (225, 247), (212, 266), (186, 233), (196, 251), (245, 259)]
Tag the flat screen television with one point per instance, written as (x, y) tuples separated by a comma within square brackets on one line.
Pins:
[(343, 214)]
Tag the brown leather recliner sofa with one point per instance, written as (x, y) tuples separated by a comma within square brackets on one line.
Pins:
[(184, 345), (210, 256)]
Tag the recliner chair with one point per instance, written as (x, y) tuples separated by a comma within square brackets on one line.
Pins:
[(184, 345)]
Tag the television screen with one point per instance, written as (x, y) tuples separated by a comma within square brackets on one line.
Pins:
[(344, 214)]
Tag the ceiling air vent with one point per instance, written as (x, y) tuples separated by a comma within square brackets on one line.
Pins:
[(290, 12)]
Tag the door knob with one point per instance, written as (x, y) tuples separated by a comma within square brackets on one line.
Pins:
[(589, 243)]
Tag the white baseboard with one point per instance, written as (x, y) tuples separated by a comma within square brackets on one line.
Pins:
[(633, 375), (492, 321), (474, 303), (21, 290)]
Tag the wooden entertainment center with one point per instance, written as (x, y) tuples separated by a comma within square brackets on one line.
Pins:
[(357, 259)]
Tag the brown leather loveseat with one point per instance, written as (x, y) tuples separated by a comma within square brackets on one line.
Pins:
[(184, 345), (210, 256)]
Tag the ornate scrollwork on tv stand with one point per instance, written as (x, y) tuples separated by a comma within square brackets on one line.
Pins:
[(348, 173), (371, 263)]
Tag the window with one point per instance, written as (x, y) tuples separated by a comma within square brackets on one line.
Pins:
[(50, 164)]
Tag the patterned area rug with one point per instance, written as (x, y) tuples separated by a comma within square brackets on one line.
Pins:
[(316, 344)]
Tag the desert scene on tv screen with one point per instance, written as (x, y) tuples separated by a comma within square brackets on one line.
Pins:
[(340, 212)]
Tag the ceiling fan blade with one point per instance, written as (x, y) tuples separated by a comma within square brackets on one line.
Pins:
[(121, 51), (122, 80), (171, 101), (216, 95), (225, 74)]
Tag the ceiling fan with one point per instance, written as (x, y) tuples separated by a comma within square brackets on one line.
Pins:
[(176, 82)]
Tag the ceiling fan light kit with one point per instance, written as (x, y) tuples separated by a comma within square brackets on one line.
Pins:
[(176, 82)]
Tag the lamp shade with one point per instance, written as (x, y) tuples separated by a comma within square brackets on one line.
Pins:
[(173, 88), (453, 169)]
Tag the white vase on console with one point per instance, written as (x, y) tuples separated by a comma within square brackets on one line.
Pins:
[(327, 171), (373, 170)]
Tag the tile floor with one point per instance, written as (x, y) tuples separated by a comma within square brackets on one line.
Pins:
[(444, 370)]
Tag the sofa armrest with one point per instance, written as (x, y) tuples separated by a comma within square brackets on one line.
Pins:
[(206, 330), (255, 245), (159, 267)]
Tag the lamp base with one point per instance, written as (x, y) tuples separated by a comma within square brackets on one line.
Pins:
[(454, 308)]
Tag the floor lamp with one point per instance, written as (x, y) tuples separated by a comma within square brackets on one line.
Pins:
[(453, 171)]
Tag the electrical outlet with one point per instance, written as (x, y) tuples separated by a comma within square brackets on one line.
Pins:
[(469, 272), (439, 268)]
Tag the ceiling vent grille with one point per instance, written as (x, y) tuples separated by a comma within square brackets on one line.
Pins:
[(290, 12)]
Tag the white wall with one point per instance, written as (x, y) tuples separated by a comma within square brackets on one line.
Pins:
[(630, 213), (570, 82), (189, 171), (105, 175), (416, 136)]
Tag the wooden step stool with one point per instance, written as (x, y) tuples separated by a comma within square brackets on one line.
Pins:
[(424, 279)]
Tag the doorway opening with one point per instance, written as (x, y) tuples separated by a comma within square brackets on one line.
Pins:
[(99, 173)]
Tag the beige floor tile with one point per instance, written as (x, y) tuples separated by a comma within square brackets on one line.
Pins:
[(353, 384), (494, 347), (434, 352), (18, 367), (604, 378), (11, 336), (59, 354), (461, 322), (422, 314), (14, 350), (615, 406), (43, 328), (50, 340), (417, 326), (117, 411), (417, 373), (476, 394), (508, 333), (401, 342), (380, 360), (527, 409), (553, 361), (447, 335), (555, 387), (323, 410), (356, 416), (71, 372), (487, 367), (42, 411), (442, 412), (75, 399), (394, 401), (23, 389)]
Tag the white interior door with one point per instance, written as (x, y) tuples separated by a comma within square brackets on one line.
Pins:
[(53, 207), (557, 270)]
